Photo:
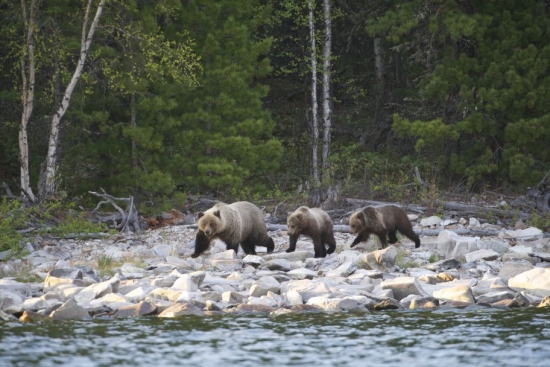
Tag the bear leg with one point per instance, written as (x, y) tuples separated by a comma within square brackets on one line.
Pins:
[(363, 236), (202, 243), (392, 237), (248, 247), (412, 236), (382, 237), (270, 245), (330, 241), (292, 239), (319, 247)]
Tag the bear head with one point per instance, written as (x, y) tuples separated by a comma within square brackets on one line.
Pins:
[(296, 222), (210, 223), (357, 222)]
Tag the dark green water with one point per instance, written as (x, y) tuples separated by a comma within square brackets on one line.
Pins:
[(442, 338)]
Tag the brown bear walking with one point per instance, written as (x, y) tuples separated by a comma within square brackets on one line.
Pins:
[(314, 223), (381, 221), (238, 223)]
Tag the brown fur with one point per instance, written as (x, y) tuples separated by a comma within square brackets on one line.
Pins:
[(238, 223), (314, 223), (382, 221)]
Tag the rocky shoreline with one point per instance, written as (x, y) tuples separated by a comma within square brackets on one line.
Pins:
[(153, 274)]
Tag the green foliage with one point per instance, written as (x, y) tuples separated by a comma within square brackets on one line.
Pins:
[(541, 222), (496, 89), (76, 223), (403, 261), (12, 218), (434, 257)]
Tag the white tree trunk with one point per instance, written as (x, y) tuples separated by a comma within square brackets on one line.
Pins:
[(314, 104), (85, 42), (27, 97), (326, 87)]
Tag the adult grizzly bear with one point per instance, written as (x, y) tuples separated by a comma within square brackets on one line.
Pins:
[(314, 223), (238, 223), (381, 221)]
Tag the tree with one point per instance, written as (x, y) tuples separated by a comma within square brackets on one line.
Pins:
[(490, 89), (85, 41), (226, 140)]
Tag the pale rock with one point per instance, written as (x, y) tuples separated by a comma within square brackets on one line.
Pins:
[(294, 297), (277, 264), (67, 291), (462, 221), (264, 285), (528, 234), (307, 288), (487, 255), (178, 309), (535, 282), (302, 273), (70, 310), (280, 300), (501, 247), (164, 294), (430, 289), (343, 270), (442, 265), (381, 259), (138, 294), (225, 255), (545, 302), (140, 309), (512, 268), (162, 251), (10, 298), (253, 260), (233, 297), (189, 263), (211, 296), (98, 290), (262, 300), (384, 293), (412, 217), (326, 304), (130, 271), (349, 255), (192, 297), (515, 256), (185, 283), (406, 302), (461, 293), (522, 249), (474, 223), (432, 221), (227, 265), (213, 306), (33, 304), (402, 287), (450, 244), (61, 276), (164, 281), (493, 297), (314, 263), (290, 256), (111, 300), (424, 302)]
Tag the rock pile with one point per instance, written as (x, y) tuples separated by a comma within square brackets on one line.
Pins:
[(153, 274)]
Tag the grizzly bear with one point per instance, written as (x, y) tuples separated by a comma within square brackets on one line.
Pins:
[(314, 223), (238, 223), (381, 221)]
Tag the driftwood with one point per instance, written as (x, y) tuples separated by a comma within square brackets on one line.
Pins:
[(454, 208), (125, 221)]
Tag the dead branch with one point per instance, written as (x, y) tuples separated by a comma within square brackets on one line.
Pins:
[(129, 220)]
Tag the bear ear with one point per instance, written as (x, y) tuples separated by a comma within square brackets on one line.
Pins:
[(217, 214), (299, 216), (201, 214)]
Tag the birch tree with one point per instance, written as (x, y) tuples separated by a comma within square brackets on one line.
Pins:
[(314, 103), (28, 81), (85, 42), (326, 87)]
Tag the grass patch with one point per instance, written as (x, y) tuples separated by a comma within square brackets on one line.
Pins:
[(403, 261), (434, 257), (21, 272)]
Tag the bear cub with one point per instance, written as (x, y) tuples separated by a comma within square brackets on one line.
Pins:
[(314, 223), (382, 221)]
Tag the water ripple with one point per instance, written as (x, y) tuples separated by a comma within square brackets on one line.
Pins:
[(474, 336)]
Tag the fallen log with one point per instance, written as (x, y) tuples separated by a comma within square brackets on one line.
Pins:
[(129, 219)]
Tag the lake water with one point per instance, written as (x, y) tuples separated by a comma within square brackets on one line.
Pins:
[(444, 338)]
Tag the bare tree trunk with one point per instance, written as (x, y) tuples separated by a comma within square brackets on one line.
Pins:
[(326, 87), (86, 40), (133, 123), (27, 99), (379, 64), (314, 120)]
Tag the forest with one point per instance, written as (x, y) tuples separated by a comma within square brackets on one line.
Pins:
[(251, 99)]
